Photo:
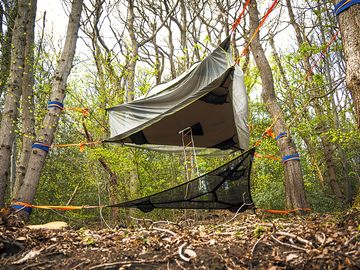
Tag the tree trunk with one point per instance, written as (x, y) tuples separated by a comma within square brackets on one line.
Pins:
[(51, 119), (294, 183), (129, 93), (10, 16), (349, 22), (10, 112), (27, 105)]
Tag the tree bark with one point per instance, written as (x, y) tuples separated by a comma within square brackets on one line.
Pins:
[(27, 104), (9, 12), (11, 111), (129, 93), (294, 183), (51, 119), (349, 22)]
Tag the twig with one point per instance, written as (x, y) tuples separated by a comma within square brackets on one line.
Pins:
[(164, 230), (351, 240), (256, 243), (298, 238), (167, 222), (73, 194), (113, 264), (80, 264), (30, 255), (179, 264), (288, 245), (35, 264), (237, 212)]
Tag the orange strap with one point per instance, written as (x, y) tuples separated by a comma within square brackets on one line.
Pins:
[(322, 55), (243, 52), (80, 145), (84, 111), (284, 212), (257, 155), (57, 207), (238, 20), (267, 133)]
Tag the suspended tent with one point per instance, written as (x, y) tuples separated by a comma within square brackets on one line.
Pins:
[(209, 99)]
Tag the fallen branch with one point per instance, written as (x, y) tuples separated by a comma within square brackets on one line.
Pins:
[(298, 238), (30, 255), (256, 243), (351, 240), (288, 245), (179, 264), (164, 230), (114, 264)]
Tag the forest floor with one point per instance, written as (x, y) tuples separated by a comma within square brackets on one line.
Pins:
[(317, 241)]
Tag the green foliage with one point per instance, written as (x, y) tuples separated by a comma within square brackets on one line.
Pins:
[(259, 231)]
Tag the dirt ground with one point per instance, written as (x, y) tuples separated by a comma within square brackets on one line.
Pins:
[(247, 242)]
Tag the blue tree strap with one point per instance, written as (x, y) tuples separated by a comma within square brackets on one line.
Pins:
[(281, 135), (21, 207), (42, 146), (344, 5), (294, 156), (55, 104)]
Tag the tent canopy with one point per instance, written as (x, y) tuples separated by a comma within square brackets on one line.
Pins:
[(210, 98)]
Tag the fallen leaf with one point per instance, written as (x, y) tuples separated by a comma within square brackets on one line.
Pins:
[(291, 257), (190, 253)]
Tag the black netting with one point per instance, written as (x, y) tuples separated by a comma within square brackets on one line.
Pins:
[(226, 187)]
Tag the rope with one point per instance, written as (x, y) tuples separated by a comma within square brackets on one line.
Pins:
[(272, 7), (257, 155), (60, 106), (268, 131), (46, 147), (85, 111), (284, 212), (24, 206), (80, 145), (344, 5), (238, 20)]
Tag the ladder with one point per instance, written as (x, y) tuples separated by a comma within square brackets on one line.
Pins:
[(190, 162)]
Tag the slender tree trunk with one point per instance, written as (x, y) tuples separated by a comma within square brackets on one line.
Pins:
[(129, 94), (28, 107), (171, 52), (183, 34), (6, 38), (294, 183), (10, 112), (50, 122), (349, 21), (290, 100)]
